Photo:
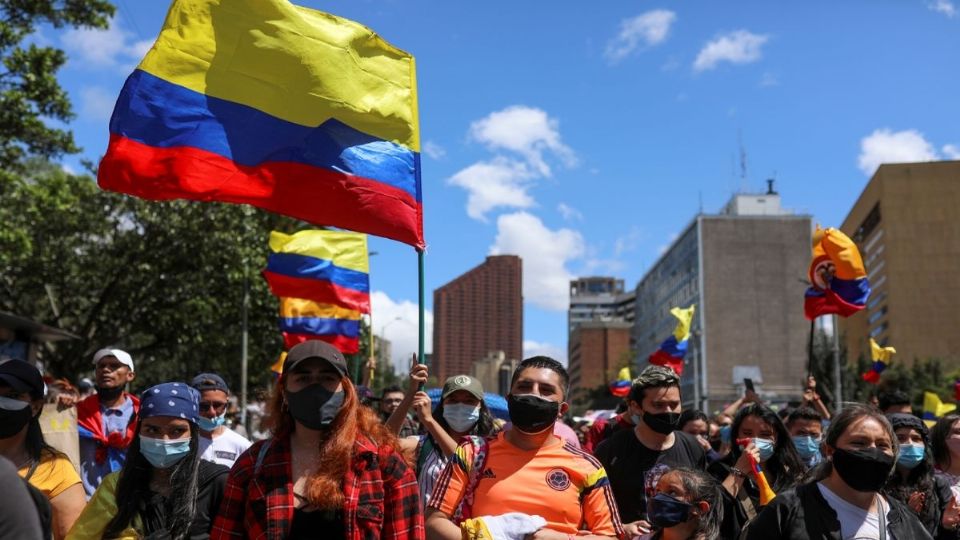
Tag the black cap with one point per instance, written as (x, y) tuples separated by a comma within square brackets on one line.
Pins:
[(315, 349), (22, 377), (209, 381)]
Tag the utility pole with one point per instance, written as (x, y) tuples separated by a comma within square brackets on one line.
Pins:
[(837, 382)]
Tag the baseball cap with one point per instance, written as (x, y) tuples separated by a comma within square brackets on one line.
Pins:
[(22, 377), (209, 381), (315, 349), (122, 356), (462, 382)]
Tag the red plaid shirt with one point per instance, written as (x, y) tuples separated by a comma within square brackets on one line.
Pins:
[(382, 497)]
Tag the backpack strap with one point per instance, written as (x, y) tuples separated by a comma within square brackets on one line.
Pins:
[(261, 455)]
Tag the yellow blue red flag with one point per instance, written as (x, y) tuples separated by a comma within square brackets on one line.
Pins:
[(837, 275), (881, 357), (285, 108), (674, 348), (621, 386), (933, 408)]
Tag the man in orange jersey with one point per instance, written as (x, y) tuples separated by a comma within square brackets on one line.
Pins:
[(525, 481)]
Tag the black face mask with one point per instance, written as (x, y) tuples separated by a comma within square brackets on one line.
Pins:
[(14, 416), (664, 511), (663, 423), (532, 414), (314, 406), (863, 470), (109, 394)]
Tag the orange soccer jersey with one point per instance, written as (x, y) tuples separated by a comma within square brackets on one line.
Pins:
[(564, 485)]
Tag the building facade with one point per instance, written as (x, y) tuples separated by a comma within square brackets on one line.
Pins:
[(744, 269), (598, 299), (495, 371), (478, 312), (597, 351), (905, 224)]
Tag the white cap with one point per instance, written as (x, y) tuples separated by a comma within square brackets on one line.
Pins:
[(121, 356)]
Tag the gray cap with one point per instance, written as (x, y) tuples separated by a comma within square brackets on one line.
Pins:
[(462, 382), (315, 349)]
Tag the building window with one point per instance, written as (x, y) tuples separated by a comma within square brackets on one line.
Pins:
[(869, 224), (876, 316), (878, 330), (877, 298)]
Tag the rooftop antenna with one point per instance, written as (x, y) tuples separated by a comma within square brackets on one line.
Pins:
[(770, 190), (743, 163), (700, 196)]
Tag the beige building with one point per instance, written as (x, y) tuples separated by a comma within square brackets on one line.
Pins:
[(598, 349), (907, 228), (494, 372)]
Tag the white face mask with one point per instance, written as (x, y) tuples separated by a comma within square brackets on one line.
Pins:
[(461, 417)]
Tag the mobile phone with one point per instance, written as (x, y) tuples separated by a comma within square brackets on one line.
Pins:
[(749, 384)]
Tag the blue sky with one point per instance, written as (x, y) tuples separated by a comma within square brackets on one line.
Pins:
[(584, 135)]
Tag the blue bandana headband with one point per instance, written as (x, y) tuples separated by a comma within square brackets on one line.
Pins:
[(170, 399)]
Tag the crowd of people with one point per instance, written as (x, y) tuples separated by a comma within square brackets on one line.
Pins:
[(166, 464)]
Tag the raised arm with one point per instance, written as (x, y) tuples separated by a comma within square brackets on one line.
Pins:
[(418, 375)]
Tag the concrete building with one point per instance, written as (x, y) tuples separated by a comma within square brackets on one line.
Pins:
[(494, 372), (905, 224), (743, 268), (598, 349), (598, 299), (478, 312)]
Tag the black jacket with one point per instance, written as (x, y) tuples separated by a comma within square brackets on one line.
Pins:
[(803, 514)]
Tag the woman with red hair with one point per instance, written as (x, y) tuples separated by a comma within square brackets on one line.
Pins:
[(329, 469)]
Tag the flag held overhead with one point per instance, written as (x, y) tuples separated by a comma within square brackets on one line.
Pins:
[(674, 348), (881, 357), (837, 275)]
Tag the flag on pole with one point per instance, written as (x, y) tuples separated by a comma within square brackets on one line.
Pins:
[(933, 408), (881, 357), (674, 348), (837, 275), (285, 108), (323, 282), (621, 386)]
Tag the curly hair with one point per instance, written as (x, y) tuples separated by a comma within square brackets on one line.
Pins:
[(336, 449)]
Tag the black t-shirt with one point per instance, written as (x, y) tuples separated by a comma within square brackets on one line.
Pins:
[(634, 469)]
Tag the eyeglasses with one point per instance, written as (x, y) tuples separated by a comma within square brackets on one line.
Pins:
[(213, 405)]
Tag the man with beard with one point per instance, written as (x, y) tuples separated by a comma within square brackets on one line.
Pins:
[(526, 480), (106, 420)]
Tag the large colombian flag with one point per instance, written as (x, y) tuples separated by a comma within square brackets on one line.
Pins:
[(265, 103), (323, 282), (674, 348), (837, 275)]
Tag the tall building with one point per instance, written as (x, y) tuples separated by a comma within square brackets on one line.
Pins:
[(905, 224), (478, 312), (495, 371), (598, 349), (598, 299), (743, 268)]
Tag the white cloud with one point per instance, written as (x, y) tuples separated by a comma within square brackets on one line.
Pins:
[(769, 79), (434, 150), (96, 104), (951, 151), (102, 49), (945, 7), (401, 333), (647, 29), (627, 242), (603, 266), (739, 47), (527, 131), (661, 249), (569, 213), (886, 146), (545, 254), (491, 184), (538, 348)]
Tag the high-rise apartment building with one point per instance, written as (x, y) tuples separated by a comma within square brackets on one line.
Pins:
[(906, 226), (597, 350), (743, 268), (478, 312), (598, 299)]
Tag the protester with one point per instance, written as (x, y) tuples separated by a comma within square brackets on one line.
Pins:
[(812, 399), (461, 413), (391, 399), (21, 442), (602, 429), (945, 443), (845, 499), (164, 489), (526, 480), (685, 506), (806, 430), (330, 469), (18, 514), (769, 445), (894, 401), (695, 422), (218, 443), (106, 420), (914, 483), (635, 459)]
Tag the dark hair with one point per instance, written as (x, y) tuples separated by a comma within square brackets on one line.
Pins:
[(392, 389), (920, 478), (893, 398), (847, 416), (700, 486), (803, 413), (938, 440), (690, 415), (652, 377), (133, 489), (785, 465), (547, 363), (484, 427)]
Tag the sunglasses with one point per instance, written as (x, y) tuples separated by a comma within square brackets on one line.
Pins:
[(213, 405)]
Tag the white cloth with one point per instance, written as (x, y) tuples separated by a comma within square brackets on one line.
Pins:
[(513, 525), (427, 476), (224, 449), (855, 522)]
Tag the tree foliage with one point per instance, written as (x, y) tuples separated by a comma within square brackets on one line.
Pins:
[(30, 95)]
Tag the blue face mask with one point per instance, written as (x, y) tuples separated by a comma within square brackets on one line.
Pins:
[(210, 424), (461, 417), (765, 446), (162, 453), (725, 434), (807, 446), (911, 455)]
